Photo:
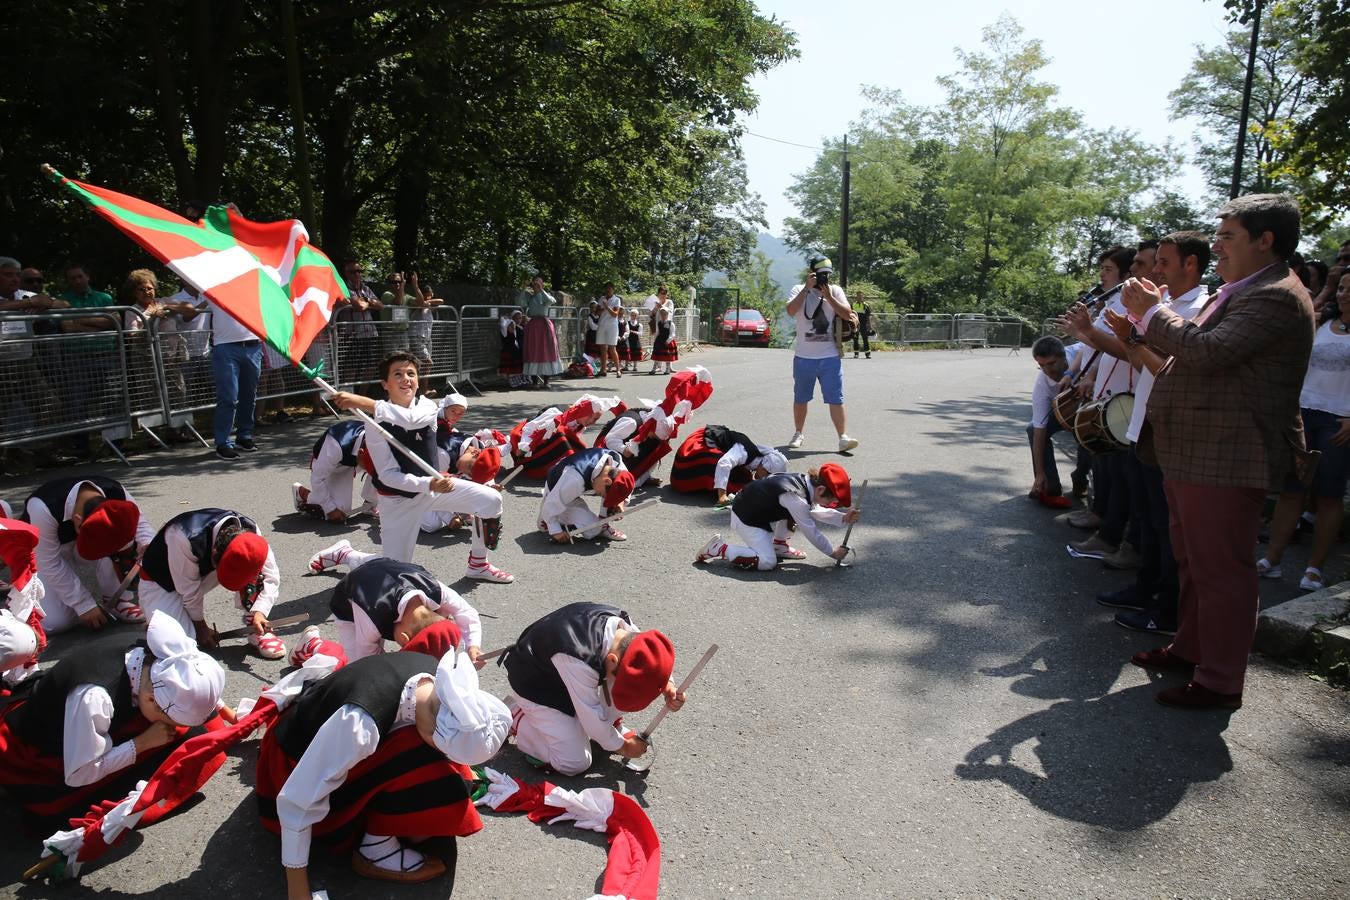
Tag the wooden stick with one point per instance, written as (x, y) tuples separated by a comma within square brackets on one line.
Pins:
[(512, 477), (493, 654), (849, 531), (273, 624), (646, 736), (42, 866), (416, 460)]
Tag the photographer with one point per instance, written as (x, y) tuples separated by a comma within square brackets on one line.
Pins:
[(818, 354)]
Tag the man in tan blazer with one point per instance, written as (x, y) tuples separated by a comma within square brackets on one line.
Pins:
[(1226, 429)]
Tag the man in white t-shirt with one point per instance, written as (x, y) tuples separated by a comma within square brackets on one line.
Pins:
[(1149, 604), (816, 357), (1053, 360)]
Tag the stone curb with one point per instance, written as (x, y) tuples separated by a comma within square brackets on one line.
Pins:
[(1297, 628)]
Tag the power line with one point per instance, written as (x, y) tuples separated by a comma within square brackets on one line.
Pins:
[(810, 147)]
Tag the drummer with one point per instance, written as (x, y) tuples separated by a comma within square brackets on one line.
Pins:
[(1053, 362), (1114, 375)]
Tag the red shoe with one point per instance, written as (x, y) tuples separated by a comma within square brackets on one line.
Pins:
[(1056, 501), (1196, 696), (1161, 658)]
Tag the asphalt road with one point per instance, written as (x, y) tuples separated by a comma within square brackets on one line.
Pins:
[(953, 716)]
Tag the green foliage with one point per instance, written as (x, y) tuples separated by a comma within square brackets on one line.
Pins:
[(476, 140), (995, 199), (1211, 93)]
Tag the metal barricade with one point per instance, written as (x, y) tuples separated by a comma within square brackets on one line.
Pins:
[(970, 330), (889, 327), (55, 384), (480, 340), (357, 347), (1006, 331), (927, 328)]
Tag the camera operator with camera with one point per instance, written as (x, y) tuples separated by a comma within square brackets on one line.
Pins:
[(818, 356)]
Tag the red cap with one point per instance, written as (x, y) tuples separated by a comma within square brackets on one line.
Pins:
[(644, 671), (242, 561), (17, 541), (486, 465), (833, 476), (437, 639), (107, 529), (619, 490)]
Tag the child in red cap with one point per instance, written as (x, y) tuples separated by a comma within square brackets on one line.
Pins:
[(202, 548), (597, 470), (766, 510), (71, 525), (574, 673)]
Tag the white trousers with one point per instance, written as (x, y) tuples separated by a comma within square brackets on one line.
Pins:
[(330, 483), (153, 597), (757, 543), (57, 616), (579, 516), (401, 517), (555, 737)]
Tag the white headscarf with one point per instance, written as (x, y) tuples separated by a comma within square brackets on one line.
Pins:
[(18, 642), (471, 725), (773, 461), (454, 399), (187, 683)]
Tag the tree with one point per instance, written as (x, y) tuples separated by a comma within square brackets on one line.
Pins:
[(1212, 90)]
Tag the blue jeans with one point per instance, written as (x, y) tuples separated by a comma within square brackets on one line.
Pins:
[(235, 368)]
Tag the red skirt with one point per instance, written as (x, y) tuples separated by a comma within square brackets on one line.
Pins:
[(510, 361), (407, 788), (665, 352), (696, 463), (541, 348), (546, 455), (37, 782)]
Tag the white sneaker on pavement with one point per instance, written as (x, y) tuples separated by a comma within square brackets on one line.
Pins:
[(797, 438), (295, 495), (330, 557), (714, 549), (486, 571), (846, 443)]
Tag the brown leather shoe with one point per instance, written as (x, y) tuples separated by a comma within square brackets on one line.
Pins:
[(1160, 658), (431, 868), (1196, 696)]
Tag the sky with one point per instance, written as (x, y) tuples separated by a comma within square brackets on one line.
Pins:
[(1115, 68)]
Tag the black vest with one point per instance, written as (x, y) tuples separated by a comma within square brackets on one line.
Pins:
[(421, 442), (634, 415), (377, 586), (451, 440), (41, 721), (724, 439), (757, 504), (200, 526), (374, 683), (349, 435), (584, 461), (54, 494), (578, 630)]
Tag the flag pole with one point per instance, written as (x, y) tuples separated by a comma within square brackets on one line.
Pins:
[(421, 463)]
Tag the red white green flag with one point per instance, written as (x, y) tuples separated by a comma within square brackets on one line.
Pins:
[(265, 274)]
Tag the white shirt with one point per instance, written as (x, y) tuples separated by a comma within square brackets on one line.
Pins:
[(815, 323), (1188, 306), (56, 563), (1114, 376), (368, 640), (806, 516), (422, 413), (583, 686), (225, 328), (195, 332), (192, 587), (1327, 384), (87, 752), (734, 457), (340, 745)]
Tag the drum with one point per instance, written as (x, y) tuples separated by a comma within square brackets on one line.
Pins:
[(1100, 426), (1065, 406)]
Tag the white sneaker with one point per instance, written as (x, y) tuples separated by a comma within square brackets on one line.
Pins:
[(846, 443), (714, 549), (612, 533), (488, 572), (295, 496), (306, 646), (1265, 570), (797, 438), (330, 557)]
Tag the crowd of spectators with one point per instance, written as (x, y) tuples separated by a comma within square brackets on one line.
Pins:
[(1190, 405)]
